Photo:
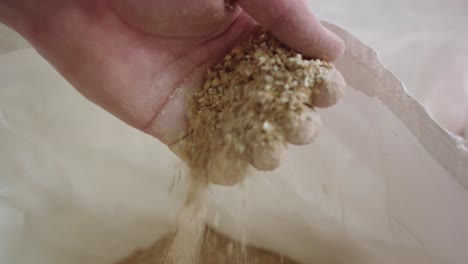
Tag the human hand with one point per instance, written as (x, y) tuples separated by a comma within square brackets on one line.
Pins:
[(140, 59)]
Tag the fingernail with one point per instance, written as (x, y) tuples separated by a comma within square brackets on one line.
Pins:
[(336, 46)]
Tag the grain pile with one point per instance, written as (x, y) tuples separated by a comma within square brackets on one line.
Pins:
[(216, 249), (261, 97)]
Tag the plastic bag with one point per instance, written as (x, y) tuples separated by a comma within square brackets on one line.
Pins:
[(382, 184), (425, 43)]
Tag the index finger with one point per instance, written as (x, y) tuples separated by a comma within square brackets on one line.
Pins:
[(295, 25)]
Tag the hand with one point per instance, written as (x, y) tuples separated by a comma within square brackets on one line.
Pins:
[(139, 59)]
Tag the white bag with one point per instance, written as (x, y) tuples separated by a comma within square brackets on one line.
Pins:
[(382, 184)]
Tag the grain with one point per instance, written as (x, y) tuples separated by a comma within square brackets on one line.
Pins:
[(259, 98), (216, 249), (254, 101)]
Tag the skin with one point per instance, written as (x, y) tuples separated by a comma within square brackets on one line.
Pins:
[(139, 59)]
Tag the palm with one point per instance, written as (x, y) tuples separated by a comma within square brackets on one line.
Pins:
[(129, 72)]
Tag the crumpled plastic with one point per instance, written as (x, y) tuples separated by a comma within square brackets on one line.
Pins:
[(383, 183)]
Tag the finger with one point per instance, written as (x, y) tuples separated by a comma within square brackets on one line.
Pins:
[(267, 158), (225, 170), (296, 26), (306, 129), (330, 91)]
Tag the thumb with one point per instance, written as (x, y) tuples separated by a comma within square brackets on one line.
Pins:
[(296, 26)]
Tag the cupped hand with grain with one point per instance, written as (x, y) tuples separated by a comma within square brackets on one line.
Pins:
[(261, 97), (141, 60)]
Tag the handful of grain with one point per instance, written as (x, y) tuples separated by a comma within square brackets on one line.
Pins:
[(261, 97)]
